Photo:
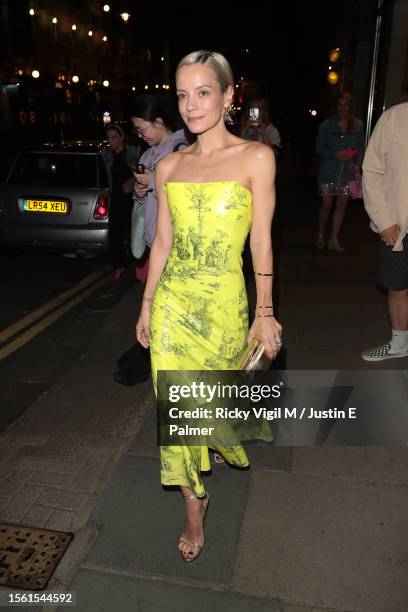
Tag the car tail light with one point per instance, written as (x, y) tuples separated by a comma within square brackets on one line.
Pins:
[(101, 211)]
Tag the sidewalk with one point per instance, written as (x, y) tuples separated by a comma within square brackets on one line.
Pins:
[(304, 530)]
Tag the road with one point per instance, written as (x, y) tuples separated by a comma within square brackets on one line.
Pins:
[(51, 308)]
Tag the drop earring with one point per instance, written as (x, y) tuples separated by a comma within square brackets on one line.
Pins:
[(227, 114)]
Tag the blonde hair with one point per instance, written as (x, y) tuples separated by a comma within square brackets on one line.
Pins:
[(217, 62)]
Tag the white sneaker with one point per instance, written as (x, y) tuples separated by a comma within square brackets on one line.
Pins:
[(382, 352)]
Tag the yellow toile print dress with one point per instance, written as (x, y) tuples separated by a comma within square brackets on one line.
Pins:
[(199, 318)]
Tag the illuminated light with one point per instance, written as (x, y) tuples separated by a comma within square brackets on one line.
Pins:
[(157, 86), (334, 55), (32, 12), (330, 67), (105, 83), (106, 8), (242, 78), (75, 78), (164, 86), (133, 88), (35, 74), (54, 20), (90, 33), (333, 77), (313, 112), (237, 85), (162, 59), (125, 16), (107, 117), (105, 39), (146, 87), (246, 50), (20, 72), (74, 27)]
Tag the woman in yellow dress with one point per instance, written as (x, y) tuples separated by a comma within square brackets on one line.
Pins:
[(194, 313)]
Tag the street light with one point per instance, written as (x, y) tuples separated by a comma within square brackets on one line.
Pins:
[(74, 27), (105, 39), (90, 33), (105, 83), (32, 12), (35, 74), (106, 8), (125, 16), (75, 78), (54, 20)]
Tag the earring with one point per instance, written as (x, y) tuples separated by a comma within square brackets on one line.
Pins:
[(227, 113)]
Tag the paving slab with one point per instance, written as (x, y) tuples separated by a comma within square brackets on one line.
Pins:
[(145, 443), (98, 592), (140, 523), (377, 464), (319, 541)]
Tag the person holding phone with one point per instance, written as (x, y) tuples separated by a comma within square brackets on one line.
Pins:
[(155, 124), (340, 145), (194, 313), (258, 126), (119, 159)]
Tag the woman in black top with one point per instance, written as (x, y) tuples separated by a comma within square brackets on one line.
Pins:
[(119, 159)]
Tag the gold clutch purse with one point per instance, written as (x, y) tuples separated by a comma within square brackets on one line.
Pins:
[(254, 357)]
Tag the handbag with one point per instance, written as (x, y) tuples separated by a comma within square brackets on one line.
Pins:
[(355, 187), (254, 357)]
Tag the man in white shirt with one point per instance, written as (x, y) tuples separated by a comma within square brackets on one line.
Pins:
[(385, 188)]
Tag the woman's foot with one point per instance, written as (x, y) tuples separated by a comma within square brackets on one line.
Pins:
[(320, 242), (191, 541), (334, 245), (218, 458)]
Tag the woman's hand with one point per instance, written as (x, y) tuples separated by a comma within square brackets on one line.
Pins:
[(141, 191), (142, 327), (390, 235), (268, 331), (143, 180)]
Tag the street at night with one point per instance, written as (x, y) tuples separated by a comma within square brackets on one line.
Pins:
[(137, 224)]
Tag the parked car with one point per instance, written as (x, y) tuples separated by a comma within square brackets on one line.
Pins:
[(57, 197)]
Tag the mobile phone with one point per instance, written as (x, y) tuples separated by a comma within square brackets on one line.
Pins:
[(254, 115)]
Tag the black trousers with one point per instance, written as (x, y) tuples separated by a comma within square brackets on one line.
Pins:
[(120, 215)]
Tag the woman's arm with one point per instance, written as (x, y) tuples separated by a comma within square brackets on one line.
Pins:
[(261, 164), (159, 253)]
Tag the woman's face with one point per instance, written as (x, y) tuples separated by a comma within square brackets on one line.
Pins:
[(115, 140), (200, 100), (151, 132), (343, 108)]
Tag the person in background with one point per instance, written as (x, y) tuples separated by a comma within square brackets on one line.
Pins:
[(340, 144), (385, 190), (154, 122), (119, 159), (257, 125)]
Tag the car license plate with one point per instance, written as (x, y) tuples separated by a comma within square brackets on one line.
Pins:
[(46, 206)]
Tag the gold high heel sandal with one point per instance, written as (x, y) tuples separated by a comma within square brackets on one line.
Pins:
[(190, 541)]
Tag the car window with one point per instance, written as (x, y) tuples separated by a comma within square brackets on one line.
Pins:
[(55, 170)]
